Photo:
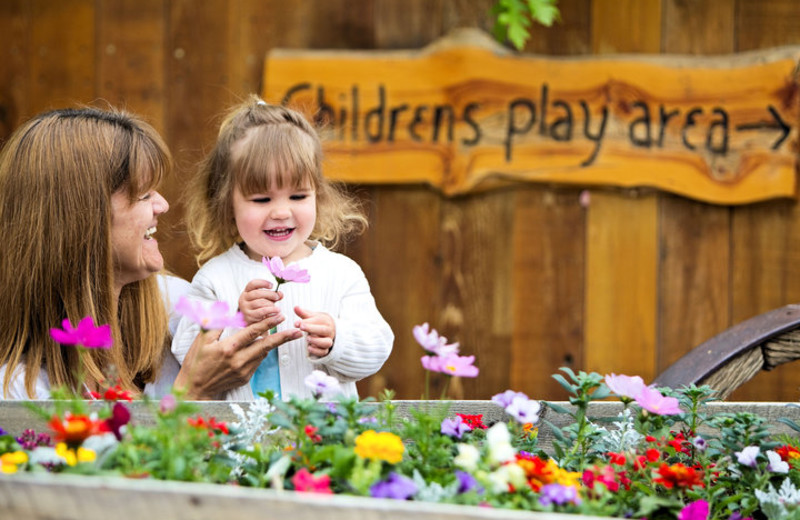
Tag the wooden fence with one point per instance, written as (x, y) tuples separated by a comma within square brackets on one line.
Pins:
[(529, 277)]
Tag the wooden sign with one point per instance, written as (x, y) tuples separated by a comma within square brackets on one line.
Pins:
[(465, 114)]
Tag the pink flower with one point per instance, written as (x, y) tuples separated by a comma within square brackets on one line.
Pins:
[(213, 317), (625, 386), (452, 365), (697, 510), (289, 273), (303, 480), (653, 401), (167, 404), (85, 335), (431, 341)]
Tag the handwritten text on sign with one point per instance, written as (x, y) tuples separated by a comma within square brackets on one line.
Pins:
[(460, 116)]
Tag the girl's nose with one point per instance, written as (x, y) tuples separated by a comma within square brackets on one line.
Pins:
[(280, 211)]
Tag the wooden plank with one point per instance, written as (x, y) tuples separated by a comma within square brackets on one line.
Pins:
[(15, 23), (626, 26), (761, 24), (621, 250), (62, 63), (197, 79), (401, 258), (477, 287), (694, 243), (621, 283), (131, 61), (549, 240), (765, 266)]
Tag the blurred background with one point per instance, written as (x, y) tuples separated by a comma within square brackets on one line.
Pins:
[(528, 278)]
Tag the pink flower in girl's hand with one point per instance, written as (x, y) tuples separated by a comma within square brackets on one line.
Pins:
[(283, 274), (85, 335), (212, 317)]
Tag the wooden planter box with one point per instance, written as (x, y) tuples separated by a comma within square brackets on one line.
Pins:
[(69, 497)]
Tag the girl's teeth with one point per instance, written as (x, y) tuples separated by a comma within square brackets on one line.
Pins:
[(150, 232)]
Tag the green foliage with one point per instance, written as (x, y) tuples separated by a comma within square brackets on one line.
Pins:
[(513, 18)]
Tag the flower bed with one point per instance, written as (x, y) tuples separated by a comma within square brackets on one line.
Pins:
[(655, 453)]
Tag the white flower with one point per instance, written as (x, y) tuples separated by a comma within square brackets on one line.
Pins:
[(524, 410), (468, 457), (499, 442), (776, 464), (747, 457), (321, 384), (507, 474)]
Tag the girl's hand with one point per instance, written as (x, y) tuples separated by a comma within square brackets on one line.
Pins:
[(257, 301), (320, 329)]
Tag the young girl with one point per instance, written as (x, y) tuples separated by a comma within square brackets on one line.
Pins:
[(260, 194)]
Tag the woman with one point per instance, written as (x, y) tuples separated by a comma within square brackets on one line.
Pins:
[(78, 210)]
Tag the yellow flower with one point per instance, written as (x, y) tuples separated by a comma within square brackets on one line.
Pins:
[(9, 462), (72, 457), (381, 446)]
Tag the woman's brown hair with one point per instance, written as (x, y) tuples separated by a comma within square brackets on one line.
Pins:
[(57, 174)]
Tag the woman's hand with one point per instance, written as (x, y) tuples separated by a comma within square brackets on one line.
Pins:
[(321, 330), (257, 301), (213, 366)]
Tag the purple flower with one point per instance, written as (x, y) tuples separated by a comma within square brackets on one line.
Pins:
[(2, 431), (85, 335), (452, 365), (454, 427), (524, 410), (283, 274), (506, 397), (396, 486), (467, 483), (30, 440), (653, 401), (558, 494), (625, 386), (697, 510), (213, 317), (700, 444), (321, 383), (431, 341), (748, 455)]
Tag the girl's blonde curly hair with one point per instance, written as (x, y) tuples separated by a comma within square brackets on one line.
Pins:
[(261, 146)]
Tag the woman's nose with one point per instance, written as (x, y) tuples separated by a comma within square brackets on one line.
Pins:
[(160, 204)]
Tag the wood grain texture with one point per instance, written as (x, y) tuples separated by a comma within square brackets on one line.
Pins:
[(694, 238), (130, 49), (765, 255), (621, 238), (549, 237), (62, 60), (15, 49)]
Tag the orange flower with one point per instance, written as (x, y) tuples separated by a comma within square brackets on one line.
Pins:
[(74, 429), (788, 453), (381, 446), (678, 475)]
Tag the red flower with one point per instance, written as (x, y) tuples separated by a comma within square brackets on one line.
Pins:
[(116, 393), (311, 432), (678, 475), (74, 429), (617, 458), (210, 424), (120, 416), (473, 421)]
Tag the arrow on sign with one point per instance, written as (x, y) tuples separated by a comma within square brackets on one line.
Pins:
[(777, 123)]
